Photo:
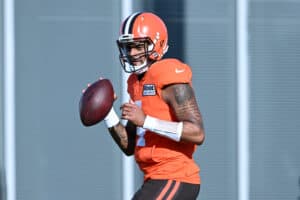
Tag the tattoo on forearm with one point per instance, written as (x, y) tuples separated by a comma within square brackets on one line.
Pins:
[(124, 137), (117, 132)]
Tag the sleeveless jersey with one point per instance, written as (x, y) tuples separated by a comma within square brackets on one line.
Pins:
[(157, 156)]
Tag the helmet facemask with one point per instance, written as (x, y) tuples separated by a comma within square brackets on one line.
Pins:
[(137, 63)]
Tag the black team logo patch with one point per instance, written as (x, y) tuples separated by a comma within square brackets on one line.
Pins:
[(149, 90)]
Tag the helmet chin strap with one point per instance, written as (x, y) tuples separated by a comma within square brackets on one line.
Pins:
[(144, 67), (140, 69)]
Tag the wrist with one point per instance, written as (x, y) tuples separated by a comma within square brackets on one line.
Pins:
[(111, 118), (171, 130)]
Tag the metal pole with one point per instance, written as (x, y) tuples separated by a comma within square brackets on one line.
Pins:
[(243, 99), (9, 100), (128, 162)]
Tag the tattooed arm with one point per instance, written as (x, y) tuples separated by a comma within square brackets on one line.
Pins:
[(181, 99), (124, 137)]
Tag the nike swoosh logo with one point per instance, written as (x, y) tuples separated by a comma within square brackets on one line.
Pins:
[(177, 71)]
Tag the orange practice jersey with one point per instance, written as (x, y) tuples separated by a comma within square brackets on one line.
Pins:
[(159, 157)]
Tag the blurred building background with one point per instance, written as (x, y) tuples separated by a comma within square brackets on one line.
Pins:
[(60, 46)]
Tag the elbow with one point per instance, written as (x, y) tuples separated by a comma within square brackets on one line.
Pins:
[(193, 134), (128, 153), (200, 138)]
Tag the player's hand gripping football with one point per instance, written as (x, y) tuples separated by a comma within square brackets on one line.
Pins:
[(133, 113)]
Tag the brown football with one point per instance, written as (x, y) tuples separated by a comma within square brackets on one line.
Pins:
[(96, 102)]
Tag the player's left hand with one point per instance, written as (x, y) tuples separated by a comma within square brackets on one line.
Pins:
[(133, 113)]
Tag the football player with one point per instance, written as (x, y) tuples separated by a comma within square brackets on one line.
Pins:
[(164, 124)]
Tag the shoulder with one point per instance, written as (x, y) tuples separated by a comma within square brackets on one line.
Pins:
[(170, 71), (168, 64)]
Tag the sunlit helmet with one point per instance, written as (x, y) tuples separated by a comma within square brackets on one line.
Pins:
[(142, 29)]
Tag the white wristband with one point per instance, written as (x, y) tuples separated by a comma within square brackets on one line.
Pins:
[(172, 130), (111, 118)]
